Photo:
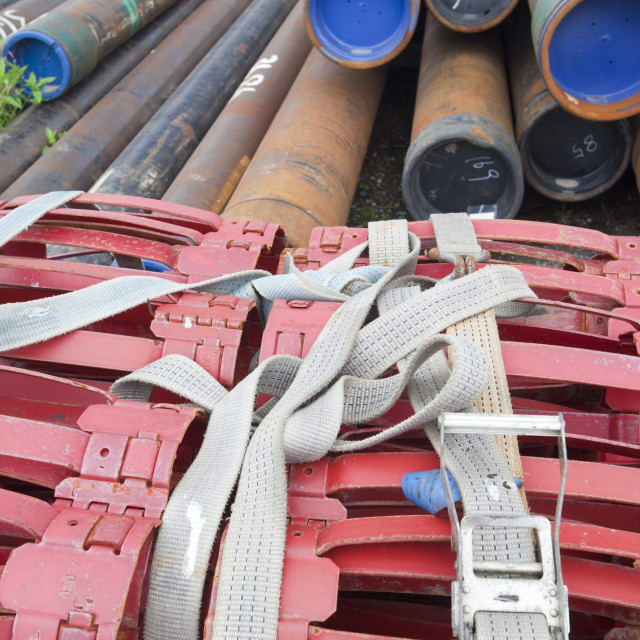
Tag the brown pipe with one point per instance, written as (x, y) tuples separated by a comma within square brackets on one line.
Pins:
[(89, 147), (305, 172), (212, 172), (462, 151), (563, 157), (471, 15)]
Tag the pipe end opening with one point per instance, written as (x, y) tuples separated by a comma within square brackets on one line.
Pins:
[(573, 157), (43, 56), (362, 31), (594, 54), (457, 174), (471, 13)]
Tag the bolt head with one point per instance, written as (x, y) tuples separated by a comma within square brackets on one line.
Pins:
[(554, 613), (466, 588), (553, 593), (466, 610)]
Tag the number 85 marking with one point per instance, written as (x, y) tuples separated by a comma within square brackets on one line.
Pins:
[(590, 145)]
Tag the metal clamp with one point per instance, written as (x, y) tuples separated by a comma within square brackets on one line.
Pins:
[(503, 586)]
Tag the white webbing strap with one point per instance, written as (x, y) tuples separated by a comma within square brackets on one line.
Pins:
[(314, 399), (479, 463), (21, 217)]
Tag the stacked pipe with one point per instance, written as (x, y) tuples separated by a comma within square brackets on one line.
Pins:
[(102, 134)]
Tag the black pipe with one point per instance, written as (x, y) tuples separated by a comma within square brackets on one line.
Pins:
[(96, 140), (21, 141), (155, 156)]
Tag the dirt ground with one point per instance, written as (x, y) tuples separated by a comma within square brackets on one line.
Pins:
[(379, 193)]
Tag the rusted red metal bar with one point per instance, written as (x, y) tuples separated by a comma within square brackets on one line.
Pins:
[(216, 166), (328, 114)]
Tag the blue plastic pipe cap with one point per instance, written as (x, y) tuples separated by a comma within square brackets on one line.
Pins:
[(594, 54), (361, 33), (44, 56), (425, 490)]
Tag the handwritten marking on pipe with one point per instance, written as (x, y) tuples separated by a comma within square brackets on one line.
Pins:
[(480, 163), (253, 79), (12, 20), (590, 145)]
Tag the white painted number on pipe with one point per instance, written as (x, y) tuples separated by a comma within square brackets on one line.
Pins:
[(10, 22), (253, 79), (480, 163), (589, 144)]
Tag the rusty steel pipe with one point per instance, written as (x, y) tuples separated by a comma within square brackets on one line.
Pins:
[(305, 172), (18, 14), (589, 55), (462, 150), (563, 157), (88, 148), (22, 140), (154, 157), (68, 43), (471, 15), (361, 34), (216, 166)]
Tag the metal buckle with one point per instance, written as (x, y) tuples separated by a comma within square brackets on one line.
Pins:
[(490, 586)]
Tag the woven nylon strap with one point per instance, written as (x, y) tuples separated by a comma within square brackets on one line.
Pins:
[(455, 234), (336, 383), (21, 217), (313, 397)]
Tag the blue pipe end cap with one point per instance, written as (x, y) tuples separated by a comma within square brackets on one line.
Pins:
[(42, 55), (425, 490), (362, 30), (594, 54)]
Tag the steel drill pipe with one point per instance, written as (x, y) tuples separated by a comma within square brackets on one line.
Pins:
[(68, 43), (212, 172), (22, 140), (361, 34), (80, 158), (471, 15), (305, 172), (589, 55), (154, 157), (18, 14), (563, 157), (462, 150)]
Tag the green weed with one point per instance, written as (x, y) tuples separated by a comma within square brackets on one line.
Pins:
[(52, 137), (17, 90)]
